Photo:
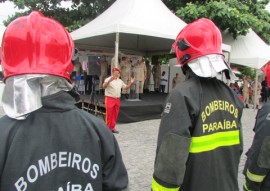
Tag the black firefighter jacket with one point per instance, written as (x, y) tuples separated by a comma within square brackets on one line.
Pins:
[(59, 148), (199, 142), (257, 168)]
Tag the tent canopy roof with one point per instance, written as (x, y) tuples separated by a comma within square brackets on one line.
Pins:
[(149, 18), (249, 50), (144, 26), (2, 30)]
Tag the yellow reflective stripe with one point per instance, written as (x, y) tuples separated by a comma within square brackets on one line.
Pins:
[(254, 177), (213, 141), (245, 185), (157, 187)]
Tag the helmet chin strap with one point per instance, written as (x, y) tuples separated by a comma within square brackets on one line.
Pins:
[(22, 94), (185, 69), (227, 74)]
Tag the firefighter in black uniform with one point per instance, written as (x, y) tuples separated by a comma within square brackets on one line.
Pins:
[(257, 168), (46, 142), (199, 142)]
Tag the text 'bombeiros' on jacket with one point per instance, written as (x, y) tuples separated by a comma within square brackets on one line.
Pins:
[(59, 147)]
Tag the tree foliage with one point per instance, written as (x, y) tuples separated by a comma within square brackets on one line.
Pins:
[(236, 16)]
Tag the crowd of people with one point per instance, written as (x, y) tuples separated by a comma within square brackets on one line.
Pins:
[(47, 143), (252, 92), (139, 67), (115, 80)]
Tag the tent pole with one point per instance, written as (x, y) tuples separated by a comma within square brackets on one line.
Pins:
[(116, 50), (229, 63), (255, 90)]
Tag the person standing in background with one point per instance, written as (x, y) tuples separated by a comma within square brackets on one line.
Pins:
[(92, 74), (256, 94), (125, 66), (140, 75), (148, 76), (163, 82), (156, 72), (176, 80), (86, 76), (245, 91), (103, 72)]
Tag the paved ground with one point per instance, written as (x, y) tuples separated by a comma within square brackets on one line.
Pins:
[(138, 143)]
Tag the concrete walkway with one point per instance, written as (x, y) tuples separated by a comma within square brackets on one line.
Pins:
[(138, 145)]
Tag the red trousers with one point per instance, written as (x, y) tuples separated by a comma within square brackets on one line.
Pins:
[(112, 109)]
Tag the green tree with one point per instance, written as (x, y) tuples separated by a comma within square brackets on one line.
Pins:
[(80, 13), (236, 16)]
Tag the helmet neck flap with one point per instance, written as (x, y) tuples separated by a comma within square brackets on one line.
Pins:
[(22, 94)]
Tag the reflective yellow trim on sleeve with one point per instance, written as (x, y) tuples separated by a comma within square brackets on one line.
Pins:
[(245, 185), (157, 187), (213, 141), (255, 177)]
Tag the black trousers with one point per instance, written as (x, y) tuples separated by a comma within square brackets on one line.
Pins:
[(88, 83)]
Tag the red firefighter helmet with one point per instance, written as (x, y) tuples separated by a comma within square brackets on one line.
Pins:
[(35, 44), (197, 39)]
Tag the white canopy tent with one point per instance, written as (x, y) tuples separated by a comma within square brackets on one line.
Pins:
[(139, 27), (249, 50), (147, 27), (144, 27), (2, 30)]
